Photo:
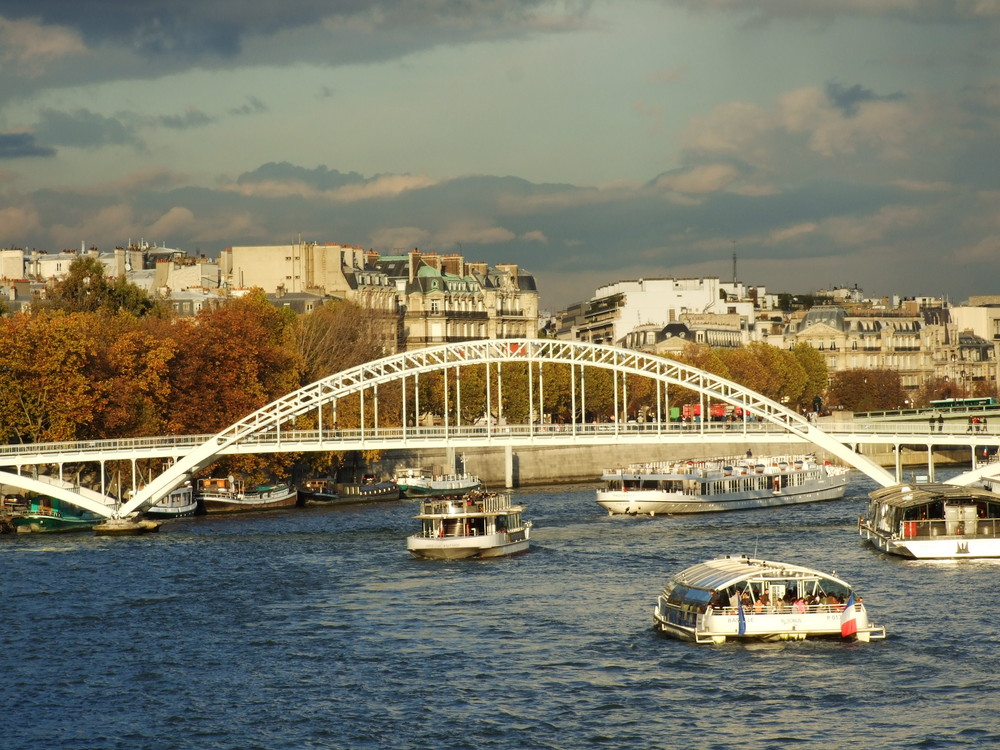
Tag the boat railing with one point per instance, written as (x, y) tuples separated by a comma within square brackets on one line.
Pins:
[(923, 528), (783, 609), (784, 463)]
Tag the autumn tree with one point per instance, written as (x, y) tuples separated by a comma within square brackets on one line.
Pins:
[(816, 372), (232, 361), (866, 390), (46, 394)]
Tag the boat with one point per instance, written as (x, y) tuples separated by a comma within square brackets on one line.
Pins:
[(229, 495), (52, 516), (53, 521), (331, 492), (179, 503), (418, 482), (719, 484), (478, 524), (744, 598), (318, 492), (933, 520)]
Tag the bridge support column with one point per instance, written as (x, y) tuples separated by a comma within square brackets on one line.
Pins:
[(930, 463), (508, 466), (899, 462), (449, 458)]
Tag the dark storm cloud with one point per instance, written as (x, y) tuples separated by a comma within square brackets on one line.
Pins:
[(84, 129), (847, 99), (221, 27), (20, 145)]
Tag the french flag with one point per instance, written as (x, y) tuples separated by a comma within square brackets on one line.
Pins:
[(741, 631), (849, 619)]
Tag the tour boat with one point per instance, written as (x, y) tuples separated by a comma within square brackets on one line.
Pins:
[(719, 484), (478, 524), (229, 495), (933, 520), (179, 503), (414, 482), (745, 598)]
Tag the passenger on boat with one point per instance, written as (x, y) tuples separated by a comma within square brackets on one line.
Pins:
[(715, 602), (762, 603)]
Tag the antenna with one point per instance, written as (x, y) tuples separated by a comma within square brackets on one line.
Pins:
[(734, 261)]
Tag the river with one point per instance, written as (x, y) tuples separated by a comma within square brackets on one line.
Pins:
[(313, 628)]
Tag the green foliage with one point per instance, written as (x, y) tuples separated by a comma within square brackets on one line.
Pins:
[(86, 289)]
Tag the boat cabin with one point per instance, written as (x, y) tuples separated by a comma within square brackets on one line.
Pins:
[(933, 510)]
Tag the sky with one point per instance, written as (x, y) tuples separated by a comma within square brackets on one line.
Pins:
[(823, 142)]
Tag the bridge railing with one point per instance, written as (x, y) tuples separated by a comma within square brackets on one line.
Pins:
[(181, 444)]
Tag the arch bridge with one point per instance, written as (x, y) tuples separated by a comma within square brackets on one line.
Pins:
[(274, 427), (365, 379)]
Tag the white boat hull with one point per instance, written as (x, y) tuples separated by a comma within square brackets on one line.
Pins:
[(457, 548), (939, 548), (654, 502), (715, 627)]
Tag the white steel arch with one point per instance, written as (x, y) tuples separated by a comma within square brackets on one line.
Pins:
[(434, 359), (81, 497)]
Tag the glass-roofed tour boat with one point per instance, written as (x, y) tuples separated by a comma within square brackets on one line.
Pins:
[(933, 520), (746, 598)]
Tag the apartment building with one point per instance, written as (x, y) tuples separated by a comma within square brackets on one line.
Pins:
[(433, 298), (621, 307)]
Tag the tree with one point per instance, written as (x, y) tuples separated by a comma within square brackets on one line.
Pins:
[(816, 372), (45, 391), (232, 361), (866, 390), (87, 289)]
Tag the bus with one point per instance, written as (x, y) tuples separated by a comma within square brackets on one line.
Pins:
[(963, 403)]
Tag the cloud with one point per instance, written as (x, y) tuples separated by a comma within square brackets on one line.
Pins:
[(252, 106), (400, 238), (192, 118), (84, 129), (177, 220), (19, 221), (20, 145), (946, 11), (284, 180), (27, 47), (846, 99), (221, 29), (708, 178)]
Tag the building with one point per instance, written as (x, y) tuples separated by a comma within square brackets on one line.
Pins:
[(921, 345), (619, 308), (434, 299)]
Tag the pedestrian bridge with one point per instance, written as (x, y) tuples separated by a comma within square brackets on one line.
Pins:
[(277, 426)]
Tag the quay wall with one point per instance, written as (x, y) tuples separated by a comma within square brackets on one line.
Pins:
[(574, 464)]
